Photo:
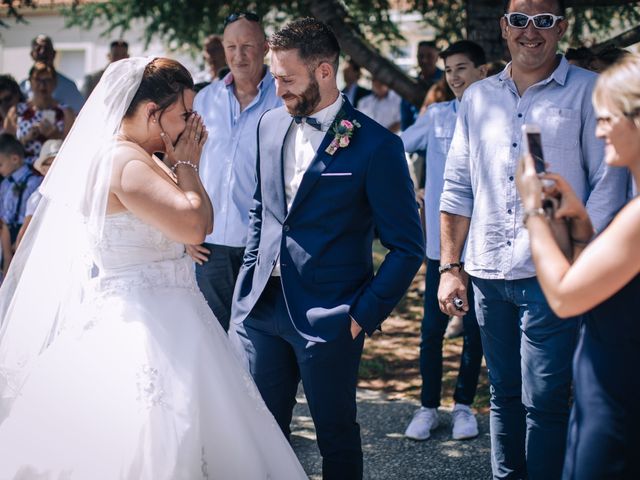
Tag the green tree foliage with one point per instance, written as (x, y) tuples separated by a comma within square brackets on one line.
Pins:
[(591, 22), (180, 22), (362, 26)]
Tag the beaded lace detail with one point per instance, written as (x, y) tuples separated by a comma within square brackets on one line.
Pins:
[(131, 254)]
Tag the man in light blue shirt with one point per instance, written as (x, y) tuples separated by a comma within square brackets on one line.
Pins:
[(66, 91), (464, 65), (231, 110), (527, 348)]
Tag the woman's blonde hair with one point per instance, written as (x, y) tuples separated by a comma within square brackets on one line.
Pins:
[(619, 87)]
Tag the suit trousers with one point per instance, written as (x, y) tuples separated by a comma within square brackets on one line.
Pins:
[(279, 357), (217, 279), (529, 351), (434, 324)]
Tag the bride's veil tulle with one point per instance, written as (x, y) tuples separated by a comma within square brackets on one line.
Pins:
[(52, 268)]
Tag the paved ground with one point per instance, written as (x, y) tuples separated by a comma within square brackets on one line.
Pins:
[(390, 456)]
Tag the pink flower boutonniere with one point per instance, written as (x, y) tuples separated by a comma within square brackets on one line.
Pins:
[(343, 131)]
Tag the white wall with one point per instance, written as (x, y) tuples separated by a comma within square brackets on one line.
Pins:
[(79, 51)]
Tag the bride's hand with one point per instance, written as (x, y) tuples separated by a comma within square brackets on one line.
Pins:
[(188, 148)]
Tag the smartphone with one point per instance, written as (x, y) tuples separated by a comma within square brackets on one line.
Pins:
[(49, 116), (533, 145)]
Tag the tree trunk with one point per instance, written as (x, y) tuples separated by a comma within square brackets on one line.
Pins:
[(483, 27), (353, 44)]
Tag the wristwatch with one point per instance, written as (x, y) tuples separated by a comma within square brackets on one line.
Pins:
[(449, 266)]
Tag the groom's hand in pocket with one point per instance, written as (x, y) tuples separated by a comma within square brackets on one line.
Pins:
[(355, 328), (198, 253)]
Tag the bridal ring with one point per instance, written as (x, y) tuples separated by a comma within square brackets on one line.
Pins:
[(197, 138)]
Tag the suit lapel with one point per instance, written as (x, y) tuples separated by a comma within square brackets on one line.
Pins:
[(274, 183), (322, 159)]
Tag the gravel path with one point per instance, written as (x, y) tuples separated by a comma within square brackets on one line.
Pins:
[(390, 456)]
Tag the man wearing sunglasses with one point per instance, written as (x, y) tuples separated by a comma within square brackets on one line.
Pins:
[(231, 109), (527, 348)]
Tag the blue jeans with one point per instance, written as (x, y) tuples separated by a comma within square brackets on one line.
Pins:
[(434, 324), (529, 352)]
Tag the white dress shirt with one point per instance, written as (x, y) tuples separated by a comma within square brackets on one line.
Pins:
[(385, 111), (300, 148), (301, 145)]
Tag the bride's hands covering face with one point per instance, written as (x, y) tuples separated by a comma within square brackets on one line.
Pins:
[(189, 142), (189, 145)]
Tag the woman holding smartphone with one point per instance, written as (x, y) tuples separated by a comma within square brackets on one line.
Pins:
[(603, 283), (41, 118)]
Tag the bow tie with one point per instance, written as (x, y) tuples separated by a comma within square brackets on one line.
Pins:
[(312, 122)]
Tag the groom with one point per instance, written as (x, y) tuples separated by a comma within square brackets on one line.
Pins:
[(327, 176)]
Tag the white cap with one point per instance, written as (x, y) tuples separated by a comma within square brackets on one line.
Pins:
[(50, 148)]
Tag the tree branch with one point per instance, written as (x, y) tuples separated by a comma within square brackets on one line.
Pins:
[(625, 39), (599, 3), (353, 44)]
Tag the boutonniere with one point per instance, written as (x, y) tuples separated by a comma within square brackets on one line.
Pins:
[(343, 131)]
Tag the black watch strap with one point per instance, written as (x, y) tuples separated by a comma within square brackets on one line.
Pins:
[(449, 266)]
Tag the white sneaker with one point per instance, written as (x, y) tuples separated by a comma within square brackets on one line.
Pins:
[(455, 328), (464, 423), (424, 420)]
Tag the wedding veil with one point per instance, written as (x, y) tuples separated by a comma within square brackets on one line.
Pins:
[(50, 272)]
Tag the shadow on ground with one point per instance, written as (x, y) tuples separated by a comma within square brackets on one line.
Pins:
[(390, 456)]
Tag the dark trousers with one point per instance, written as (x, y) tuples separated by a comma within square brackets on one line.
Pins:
[(217, 278), (434, 324), (279, 357), (603, 440), (528, 351)]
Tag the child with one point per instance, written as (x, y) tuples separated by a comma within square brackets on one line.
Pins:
[(20, 181), (464, 64), (50, 149)]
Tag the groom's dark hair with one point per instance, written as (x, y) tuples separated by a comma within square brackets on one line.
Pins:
[(314, 41)]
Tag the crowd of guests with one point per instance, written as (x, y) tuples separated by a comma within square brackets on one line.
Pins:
[(465, 145)]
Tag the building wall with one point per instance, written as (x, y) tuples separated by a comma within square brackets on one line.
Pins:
[(79, 51)]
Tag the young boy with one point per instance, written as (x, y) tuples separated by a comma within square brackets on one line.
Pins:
[(464, 64), (48, 153), (19, 182)]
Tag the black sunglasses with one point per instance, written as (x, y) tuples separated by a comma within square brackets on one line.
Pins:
[(234, 17)]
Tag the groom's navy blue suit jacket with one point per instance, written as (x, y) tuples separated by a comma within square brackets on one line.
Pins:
[(324, 241)]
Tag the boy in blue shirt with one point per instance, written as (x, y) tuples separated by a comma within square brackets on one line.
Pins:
[(19, 182), (433, 131)]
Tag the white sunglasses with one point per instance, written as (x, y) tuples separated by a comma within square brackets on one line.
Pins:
[(542, 21)]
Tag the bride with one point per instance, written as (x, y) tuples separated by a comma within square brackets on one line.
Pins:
[(111, 364)]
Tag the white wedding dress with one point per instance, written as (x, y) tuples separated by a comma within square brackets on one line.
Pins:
[(142, 382)]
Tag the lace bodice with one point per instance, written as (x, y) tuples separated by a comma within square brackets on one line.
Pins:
[(131, 254)]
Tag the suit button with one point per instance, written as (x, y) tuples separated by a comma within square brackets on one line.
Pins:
[(286, 228)]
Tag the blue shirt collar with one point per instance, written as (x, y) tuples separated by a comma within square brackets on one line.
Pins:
[(20, 174), (559, 74)]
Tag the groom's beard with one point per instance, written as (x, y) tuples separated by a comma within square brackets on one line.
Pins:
[(307, 101)]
